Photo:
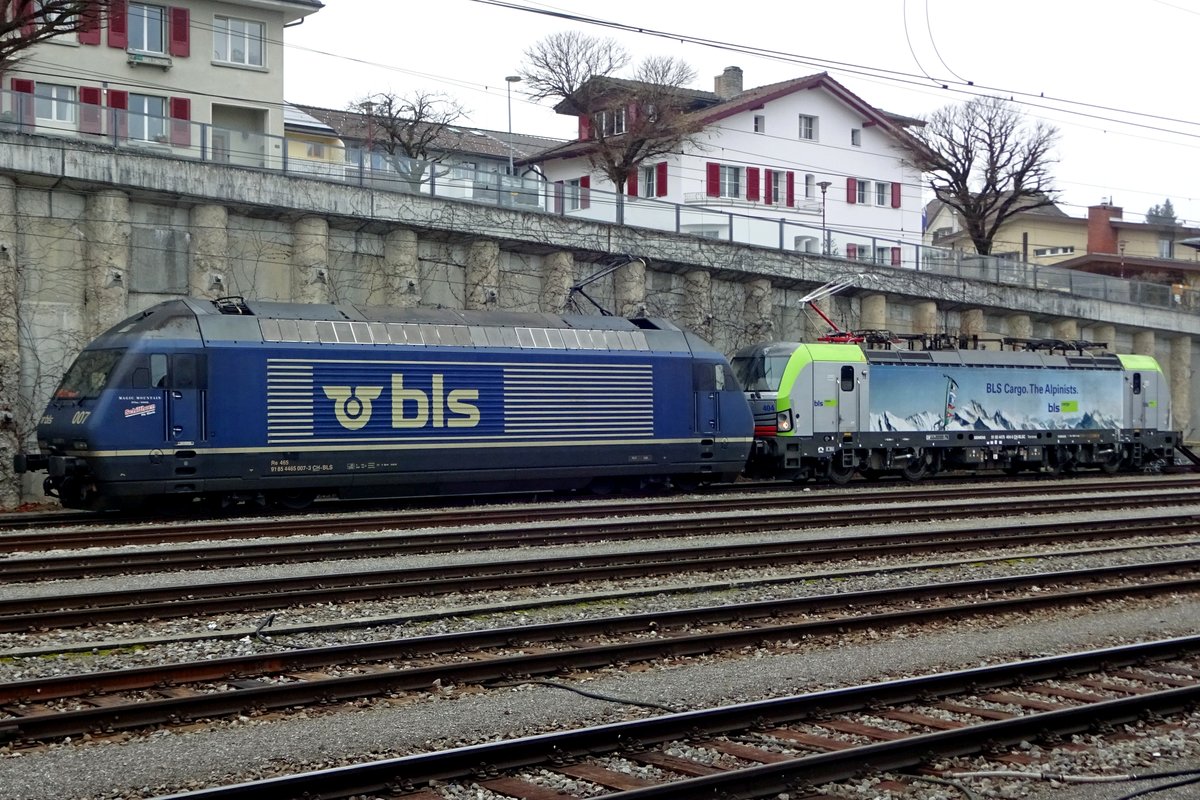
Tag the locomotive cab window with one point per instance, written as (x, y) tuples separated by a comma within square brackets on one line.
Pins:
[(847, 379), (88, 375), (1137, 383)]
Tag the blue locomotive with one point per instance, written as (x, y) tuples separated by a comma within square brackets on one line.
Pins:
[(831, 411), (276, 403)]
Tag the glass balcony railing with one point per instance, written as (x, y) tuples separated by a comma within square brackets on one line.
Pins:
[(150, 134)]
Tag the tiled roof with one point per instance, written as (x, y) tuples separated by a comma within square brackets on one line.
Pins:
[(352, 127)]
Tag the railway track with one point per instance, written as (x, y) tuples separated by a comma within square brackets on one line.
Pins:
[(95, 532), (74, 705), (791, 744), (258, 594)]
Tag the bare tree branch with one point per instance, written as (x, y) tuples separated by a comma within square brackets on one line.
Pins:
[(414, 130), (984, 162), (25, 24), (558, 66)]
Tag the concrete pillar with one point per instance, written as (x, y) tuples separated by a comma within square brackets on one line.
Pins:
[(208, 267), (1181, 384), (697, 302), (1066, 329), (483, 275), (759, 311), (629, 289), (106, 258), (1020, 326), (925, 317), (1143, 343), (873, 312), (401, 269), (1106, 335), (970, 322), (311, 278), (13, 423), (558, 275)]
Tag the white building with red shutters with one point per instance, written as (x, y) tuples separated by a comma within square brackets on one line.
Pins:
[(807, 152), (189, 77)]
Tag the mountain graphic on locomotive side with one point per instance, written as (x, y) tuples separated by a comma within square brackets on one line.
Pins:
[(233, 400)]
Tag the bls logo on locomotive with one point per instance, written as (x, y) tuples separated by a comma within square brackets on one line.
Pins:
[(411, 408)]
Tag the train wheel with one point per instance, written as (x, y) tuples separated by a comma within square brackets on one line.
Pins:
[(297, 500), (839, 473), (1113, 464), (871, 474), (914, 470)]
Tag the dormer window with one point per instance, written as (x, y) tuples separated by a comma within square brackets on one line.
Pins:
[(612, 121)]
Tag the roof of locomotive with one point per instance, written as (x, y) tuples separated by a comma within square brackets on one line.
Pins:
[(950, 356), (241, 320)]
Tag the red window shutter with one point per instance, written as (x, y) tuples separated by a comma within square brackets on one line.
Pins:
[(791, 190), (118, 24), (752, 184), (90, 116), (713, 180), (631, 182), (25, 11), (585, 191), (180, 33), (631, 115), (895, 256), (23, 101), (585, 126), (118, 100), (660, 179), (895, 195), (558, 197), (851, 251), (851, 191), (768, 186), (181, 124), (89, 24)]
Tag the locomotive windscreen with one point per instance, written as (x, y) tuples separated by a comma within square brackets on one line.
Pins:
[(760, 369), (88, 375)]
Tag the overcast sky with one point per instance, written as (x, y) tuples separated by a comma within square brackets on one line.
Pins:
[(1117, 77)]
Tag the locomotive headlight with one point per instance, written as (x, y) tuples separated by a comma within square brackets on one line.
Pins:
[(80, 444), (783, 421)]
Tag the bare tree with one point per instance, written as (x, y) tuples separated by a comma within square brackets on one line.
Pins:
[(986, 163), (25, 24), (414, 130), (629, 120)]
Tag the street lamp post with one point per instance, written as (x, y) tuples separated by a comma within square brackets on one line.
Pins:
[(510, 79), (824, 232)]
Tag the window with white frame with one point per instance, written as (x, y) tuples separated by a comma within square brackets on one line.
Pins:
[(612, 121), (883, 255), (808, 127), (772, 193), (316, 150), (856, 137), (649, 186), (238, 41), (147, 117), (864, 191), (571, 194), (55, 102), (883, 193), (810, 186), (464, 170), (760, 123), (1042, 252), (1166, 248), (147, 28), (731, 181)]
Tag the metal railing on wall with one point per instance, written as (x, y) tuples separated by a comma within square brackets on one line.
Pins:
[(306, 157)]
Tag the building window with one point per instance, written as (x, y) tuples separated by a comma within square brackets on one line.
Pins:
[(856, 137), (147, 117), (1042, 252), (760, 123), (1166, 248), (810, 186), (572, 194), (465, 170), (864, 191), (55, 102), (808, 127), (316, 150), (648, 186), (731, 181), (772, 192), (612, 122), (147, 28), (883, 193), (238, 41)]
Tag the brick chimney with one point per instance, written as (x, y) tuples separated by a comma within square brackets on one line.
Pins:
[(729, 83), (1102, 236)]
